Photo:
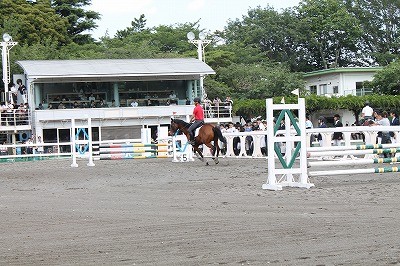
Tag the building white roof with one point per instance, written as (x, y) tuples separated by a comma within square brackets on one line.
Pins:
[(102, 70)]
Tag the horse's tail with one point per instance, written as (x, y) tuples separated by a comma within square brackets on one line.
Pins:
[(218, 133)]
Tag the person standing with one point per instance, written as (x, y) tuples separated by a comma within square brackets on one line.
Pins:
[(337, 136), (197, 119), (14, 92), (367, 112), (22, 90), (321, 124)]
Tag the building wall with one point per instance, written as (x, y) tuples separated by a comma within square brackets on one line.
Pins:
[(337, 83)]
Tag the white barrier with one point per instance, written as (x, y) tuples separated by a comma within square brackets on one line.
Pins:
[(77, 144), (287, 174), (182, 150)]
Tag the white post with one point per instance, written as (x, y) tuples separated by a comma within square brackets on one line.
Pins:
[(73, 148), (296, 134), (6, 45), (90, 143)]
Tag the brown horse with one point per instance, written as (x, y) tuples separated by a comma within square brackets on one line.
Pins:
[(207, 134)]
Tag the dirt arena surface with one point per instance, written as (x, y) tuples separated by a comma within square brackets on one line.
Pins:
[(155, 212)]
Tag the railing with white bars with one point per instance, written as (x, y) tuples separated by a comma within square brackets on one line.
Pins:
[(14, 118), (239, 144)]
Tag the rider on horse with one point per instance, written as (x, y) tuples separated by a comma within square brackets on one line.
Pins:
[(197, 119)]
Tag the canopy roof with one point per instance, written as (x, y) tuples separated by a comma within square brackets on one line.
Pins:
[(103, 70)]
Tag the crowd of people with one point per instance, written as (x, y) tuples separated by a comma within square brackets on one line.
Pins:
[(13, 114)]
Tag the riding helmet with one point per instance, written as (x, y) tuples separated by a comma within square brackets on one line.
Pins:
[(196, 100)]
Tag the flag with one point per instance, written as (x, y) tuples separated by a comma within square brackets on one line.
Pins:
[(296, 92), (283, 100)]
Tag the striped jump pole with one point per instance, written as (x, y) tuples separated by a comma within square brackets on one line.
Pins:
[(122, 151), (355, 162), (355, 171), (111, 151), (354, 147), (132, 145), (130, 156), (353, 152)]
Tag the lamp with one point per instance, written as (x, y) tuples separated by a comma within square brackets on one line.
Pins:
[(201, 43), (7, 37), (6, 45)]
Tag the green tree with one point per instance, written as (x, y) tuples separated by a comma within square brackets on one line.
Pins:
[(138, 25), (265, 34), (387, 80), (257, 81), (329, 33), (79, 19), (32, 23), (380, 22)]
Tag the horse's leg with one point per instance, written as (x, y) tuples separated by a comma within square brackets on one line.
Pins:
[(214, 151), (196, 149)]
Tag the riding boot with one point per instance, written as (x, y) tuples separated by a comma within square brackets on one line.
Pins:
[(191, 138)]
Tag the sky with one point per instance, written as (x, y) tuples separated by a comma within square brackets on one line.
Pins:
[(213, 14)]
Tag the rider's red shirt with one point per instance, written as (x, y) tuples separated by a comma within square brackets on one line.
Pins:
[(198, 112)]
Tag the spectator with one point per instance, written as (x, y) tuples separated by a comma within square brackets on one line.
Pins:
[(61, 105), (102, 104), (337, 136), (309, 124), (91, 98), (172, 95), (367, 112), (188, 102), (22, 90), (321, 124), (3, 149), (14, 92), (113, 104), (380, 120), (134, 103), (39, 148), (393, 122)]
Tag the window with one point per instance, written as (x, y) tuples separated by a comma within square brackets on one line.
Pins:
[(313, 89), (336, 89), (323, 89)]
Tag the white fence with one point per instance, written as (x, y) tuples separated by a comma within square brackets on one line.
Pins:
[(239, 144)]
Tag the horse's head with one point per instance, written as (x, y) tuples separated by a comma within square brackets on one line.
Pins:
[(173, 128), (177, 124)]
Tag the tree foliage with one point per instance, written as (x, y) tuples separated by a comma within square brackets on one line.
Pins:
[(387, 80), (380, 22), (33, 23), (79, 19)]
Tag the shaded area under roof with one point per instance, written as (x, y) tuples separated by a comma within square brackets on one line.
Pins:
[(102, 70)]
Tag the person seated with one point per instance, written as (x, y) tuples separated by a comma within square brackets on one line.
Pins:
[(134, 103), (172, 95), (91, 98)]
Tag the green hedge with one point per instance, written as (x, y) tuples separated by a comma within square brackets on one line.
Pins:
[(249, 108)]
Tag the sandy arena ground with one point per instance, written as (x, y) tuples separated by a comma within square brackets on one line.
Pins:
[(155, 212)]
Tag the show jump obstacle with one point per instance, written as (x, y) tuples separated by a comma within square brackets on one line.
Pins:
[(82, 147), (294, 136)]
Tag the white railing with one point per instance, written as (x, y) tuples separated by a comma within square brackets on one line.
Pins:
[(14, 119), (239, 144)]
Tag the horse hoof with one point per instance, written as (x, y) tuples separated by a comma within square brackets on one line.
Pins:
[(207, 163)]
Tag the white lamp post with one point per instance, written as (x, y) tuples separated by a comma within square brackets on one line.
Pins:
[(201, 43), (6, 45)]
